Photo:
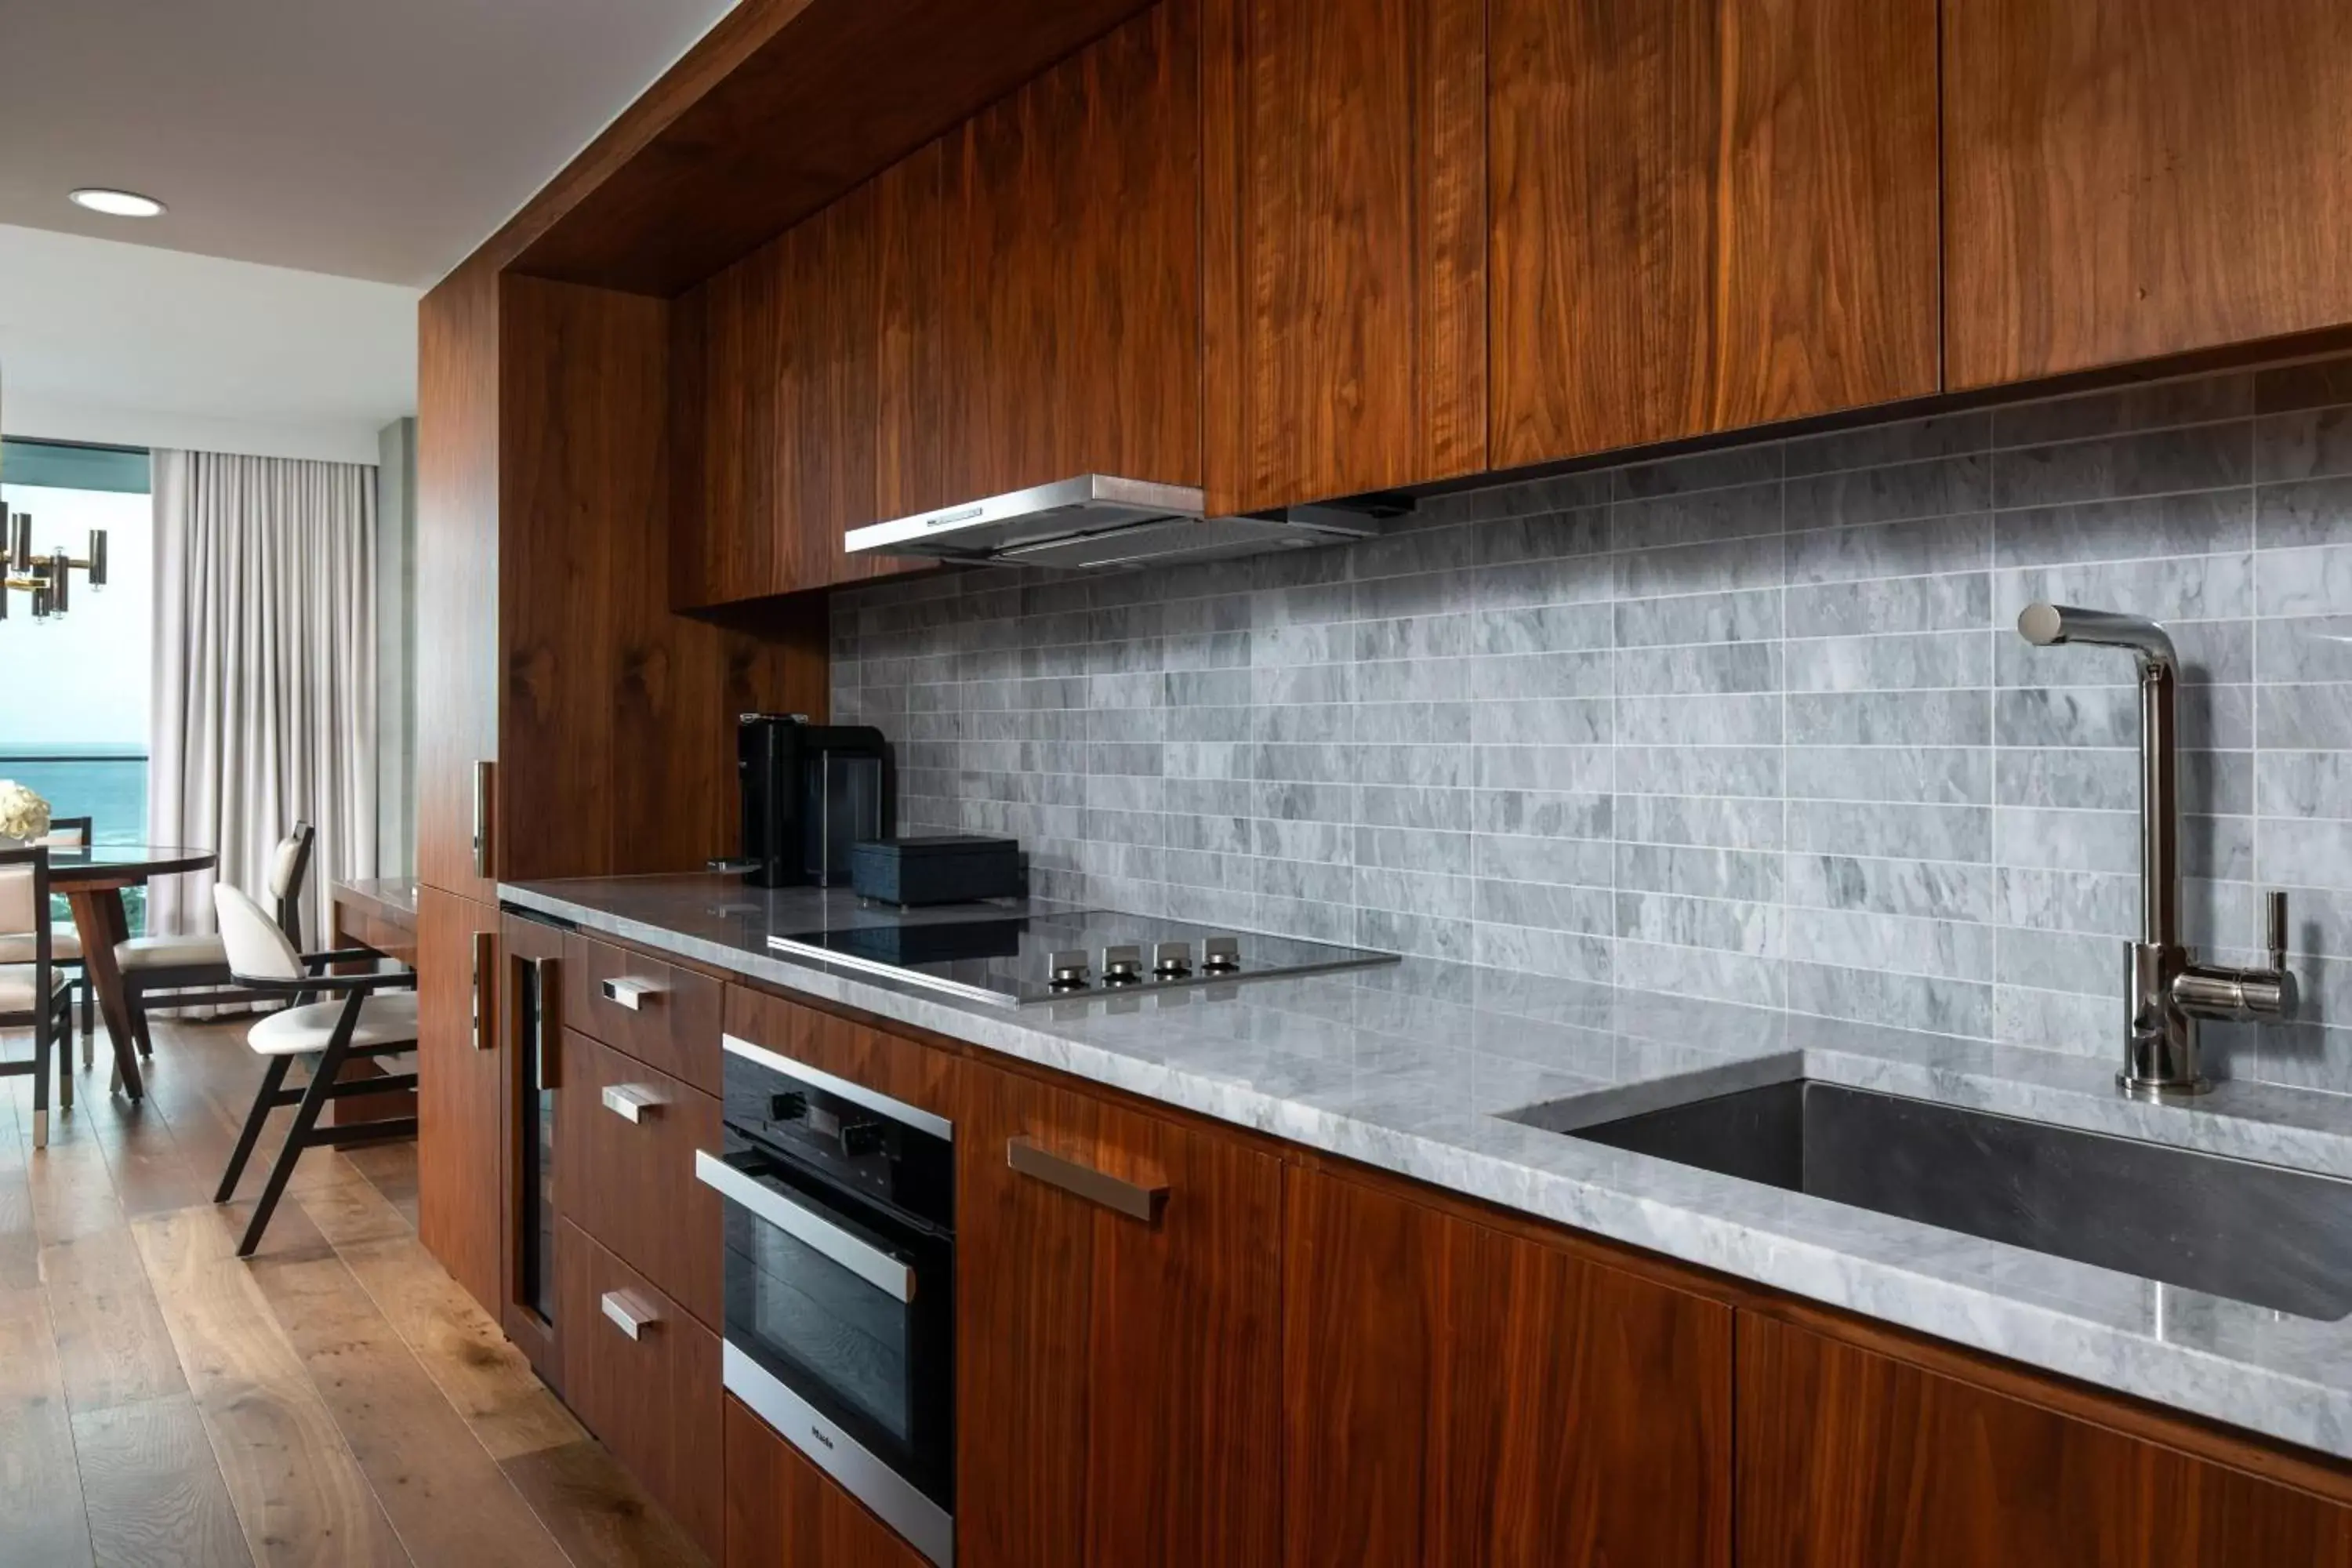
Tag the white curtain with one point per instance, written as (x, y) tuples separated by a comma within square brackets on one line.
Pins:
[(264, 674)]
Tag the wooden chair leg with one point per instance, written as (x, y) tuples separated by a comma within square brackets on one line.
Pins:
[(272, 1081), (89, 1010)]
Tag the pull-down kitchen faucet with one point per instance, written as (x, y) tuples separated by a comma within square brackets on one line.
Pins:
[(2165, 991)]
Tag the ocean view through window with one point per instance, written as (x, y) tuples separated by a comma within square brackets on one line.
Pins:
[(74, 688)]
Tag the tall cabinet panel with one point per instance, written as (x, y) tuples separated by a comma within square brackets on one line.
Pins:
[(1707, 214), (1072, 330), (456, 561), (1452, 1394), (1345, 245), (459, 1132), (2137, 177)]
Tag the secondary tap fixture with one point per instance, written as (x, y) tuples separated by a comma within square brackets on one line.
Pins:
[(2166, 990)]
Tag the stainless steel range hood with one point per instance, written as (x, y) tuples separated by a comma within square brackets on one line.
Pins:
[(1101, 520)]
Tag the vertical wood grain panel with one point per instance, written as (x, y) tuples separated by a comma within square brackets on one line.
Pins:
[(456, 560), (582, 372), (1186, 1427), (1072, 328), (2128, 178), (1832, 256), (1852, 1459), (596, 665), (910, 391), (1345, 168), (459, 1118), (832, 349), (1707, 215), (1455, 1394)]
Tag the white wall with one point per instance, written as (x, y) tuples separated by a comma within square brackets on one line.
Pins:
[(129, 345)]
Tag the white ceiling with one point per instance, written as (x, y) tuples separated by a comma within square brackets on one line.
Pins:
[(380, 139), (134, 346)]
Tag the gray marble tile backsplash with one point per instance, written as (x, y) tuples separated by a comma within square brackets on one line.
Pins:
[(1751, 724)]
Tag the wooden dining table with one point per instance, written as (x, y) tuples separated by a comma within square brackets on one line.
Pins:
[(91, 879)]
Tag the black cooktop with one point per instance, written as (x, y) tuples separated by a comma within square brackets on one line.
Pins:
[(1016, 957)]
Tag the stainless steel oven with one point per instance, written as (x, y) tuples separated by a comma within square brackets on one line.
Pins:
[(840, 1276)]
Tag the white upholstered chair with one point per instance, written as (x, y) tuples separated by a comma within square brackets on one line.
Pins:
[(368, 1015), (65, 943), (199, 965), (34, 993)]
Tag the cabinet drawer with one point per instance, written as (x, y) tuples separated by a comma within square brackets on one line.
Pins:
[(628, 1136), (653, 1395), (666, 1017)]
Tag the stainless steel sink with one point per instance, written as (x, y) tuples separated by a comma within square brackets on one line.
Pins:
[(2274, 1237)]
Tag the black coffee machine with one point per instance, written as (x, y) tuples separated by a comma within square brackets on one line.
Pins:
[(810, 791)]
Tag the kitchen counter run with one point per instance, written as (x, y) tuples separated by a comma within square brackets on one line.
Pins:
[(1409, 1067)]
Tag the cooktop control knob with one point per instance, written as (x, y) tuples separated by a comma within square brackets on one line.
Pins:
[(1068, 970), (1173, 960), (790, 1106), (1221, 954), (1122, 963), (859, 1138)]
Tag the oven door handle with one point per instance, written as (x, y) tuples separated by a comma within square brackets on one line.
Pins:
[(854, 1253)]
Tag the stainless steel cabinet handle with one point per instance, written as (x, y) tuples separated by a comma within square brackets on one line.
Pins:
[(861, 1258), (629, 994), (1133, 1199), (486, 963), (632, 1101), (628, 1314), (482, 793)]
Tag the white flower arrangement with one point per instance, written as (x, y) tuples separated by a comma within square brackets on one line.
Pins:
[(23, 815)]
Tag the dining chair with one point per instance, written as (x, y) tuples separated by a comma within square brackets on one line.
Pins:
[(65, 943), (35, 993), (153, 964), (371, 1015)]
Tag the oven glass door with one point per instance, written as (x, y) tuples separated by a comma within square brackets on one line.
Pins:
[(851, 1305)]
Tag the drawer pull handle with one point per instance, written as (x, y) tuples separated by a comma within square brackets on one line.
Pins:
[(632, 1101), (1131, 1199), (628, 1314), (630, 994)]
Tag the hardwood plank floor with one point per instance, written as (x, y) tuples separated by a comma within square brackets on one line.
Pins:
[(338, 1400)]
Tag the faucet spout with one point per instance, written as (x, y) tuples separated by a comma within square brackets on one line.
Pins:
[(2166, 990), (2052, 626)]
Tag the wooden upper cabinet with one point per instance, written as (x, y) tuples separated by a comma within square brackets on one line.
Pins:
[(813, 405), (2128, 178), (1119, 1371), (1454, 1394), (1344, 147), (1707, 214), (1849, 1459), (1071, 321)]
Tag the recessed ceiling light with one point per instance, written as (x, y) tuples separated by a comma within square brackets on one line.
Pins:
[(116, 204)]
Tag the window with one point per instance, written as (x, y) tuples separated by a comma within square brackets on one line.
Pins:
[(74, 688)]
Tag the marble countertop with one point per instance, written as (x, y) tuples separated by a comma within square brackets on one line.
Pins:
[(1409, 1067)]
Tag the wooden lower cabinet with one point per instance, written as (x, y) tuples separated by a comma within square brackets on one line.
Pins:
[(785, 1513), (1453, 1395), (630, 1183), (654, 1399), (459, 1124), (1118, 1375), (1849, 1459)]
